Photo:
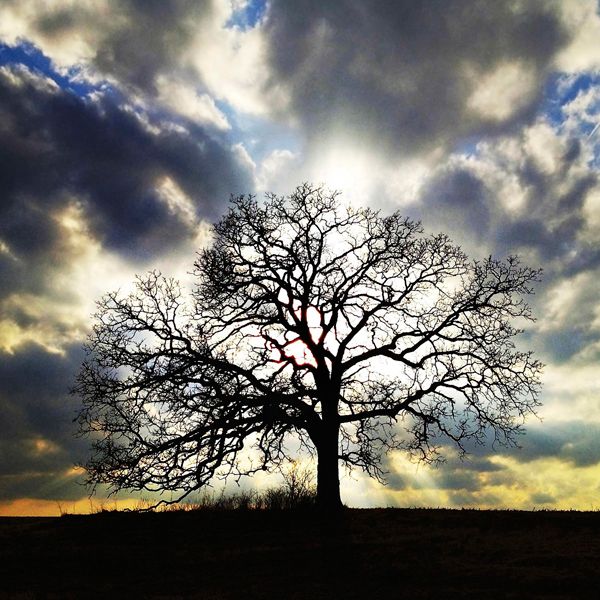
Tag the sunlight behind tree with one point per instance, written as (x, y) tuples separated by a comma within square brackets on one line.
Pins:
[(353, 333)]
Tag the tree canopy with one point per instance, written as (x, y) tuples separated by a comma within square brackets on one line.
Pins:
[(350, 332)]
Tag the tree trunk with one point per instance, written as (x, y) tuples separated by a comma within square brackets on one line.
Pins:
[(328, 478)]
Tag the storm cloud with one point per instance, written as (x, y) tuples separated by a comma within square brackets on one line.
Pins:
[(37, 444), (410, 76), (56, 145), (575, 441), (141, 184)]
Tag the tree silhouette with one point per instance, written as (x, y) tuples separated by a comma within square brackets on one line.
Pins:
[(351, 333)]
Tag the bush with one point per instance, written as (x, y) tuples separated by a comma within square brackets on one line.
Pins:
[(298, 491)]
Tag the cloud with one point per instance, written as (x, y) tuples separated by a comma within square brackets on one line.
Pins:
[(582, 54), (542, 498), (412, 76), (532, 193), (37, 442), (129, 41), (525, 193), (451, 474), (110, 158), (182, 54), (557, 465), (505, 91), (576, 442), (457, 200), (50, 485), (184, 99), (125, 52), (89, 185), (97, 178), (143, 183)]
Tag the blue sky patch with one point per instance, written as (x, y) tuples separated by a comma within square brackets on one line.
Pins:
[(248, 16), (30, 56), (562, 89)]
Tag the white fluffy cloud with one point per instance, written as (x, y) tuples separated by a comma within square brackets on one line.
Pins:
[(583, 53), (499, 94)]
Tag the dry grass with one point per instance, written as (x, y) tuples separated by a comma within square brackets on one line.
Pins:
[(230, 554)]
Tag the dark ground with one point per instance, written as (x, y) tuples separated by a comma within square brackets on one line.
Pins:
[(387, 554)]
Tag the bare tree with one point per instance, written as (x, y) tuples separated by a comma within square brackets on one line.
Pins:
[(352, 333)]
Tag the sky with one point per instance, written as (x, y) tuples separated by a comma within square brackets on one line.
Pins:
[(125, 125)]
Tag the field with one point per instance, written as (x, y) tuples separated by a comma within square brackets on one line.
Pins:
[(374, 553)]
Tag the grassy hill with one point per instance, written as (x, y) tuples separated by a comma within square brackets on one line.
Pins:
[(374, 553)]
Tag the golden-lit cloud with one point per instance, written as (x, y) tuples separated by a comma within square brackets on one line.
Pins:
[(60, 315), (506, 483)]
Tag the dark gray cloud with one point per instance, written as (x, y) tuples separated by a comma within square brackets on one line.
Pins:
[(466, 205), (56, 147), (554, 220), (48, 485), (37, 443), (576, 442), (458, 202), (465, 498), (452, 474), (401, 74), (109, 158), (566, 342), (542, 498), (149, 39)]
